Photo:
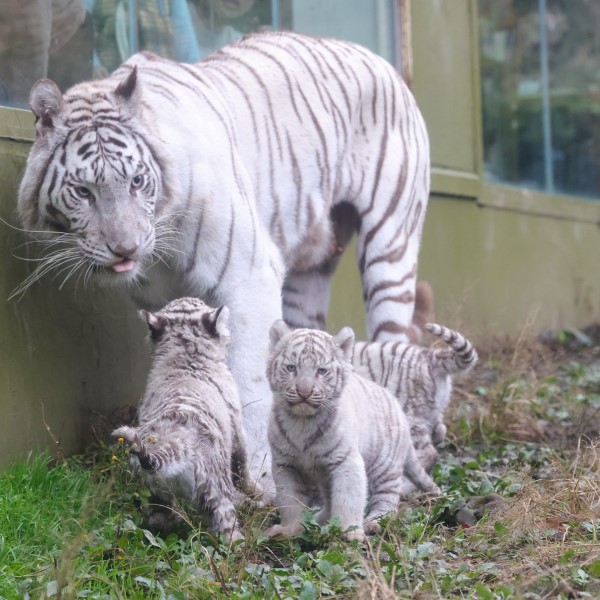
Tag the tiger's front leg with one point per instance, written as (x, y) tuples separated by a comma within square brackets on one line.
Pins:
[(292, 499), (349, 495), (254, 307)]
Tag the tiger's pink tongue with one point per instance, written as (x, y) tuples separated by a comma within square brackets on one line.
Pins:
[(124, 266)]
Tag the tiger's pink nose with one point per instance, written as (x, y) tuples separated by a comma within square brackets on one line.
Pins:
[(304, 392), (123, 251)]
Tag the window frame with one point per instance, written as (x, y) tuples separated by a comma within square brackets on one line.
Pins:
[(403, 39), (518, 198), (541, 204)]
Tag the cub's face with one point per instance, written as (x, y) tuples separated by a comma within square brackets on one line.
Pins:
[(93, 179), (307, 371)]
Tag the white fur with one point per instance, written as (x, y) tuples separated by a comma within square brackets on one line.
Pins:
[(334, 432), (258, 155)]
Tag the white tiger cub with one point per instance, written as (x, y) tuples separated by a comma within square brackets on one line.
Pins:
[(225, 178), (190, 443), (336, 432), (421, 379)]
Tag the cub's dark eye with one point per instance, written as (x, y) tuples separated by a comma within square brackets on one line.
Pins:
[(137, 182), (290, 368), (83, 191), (322, 371)]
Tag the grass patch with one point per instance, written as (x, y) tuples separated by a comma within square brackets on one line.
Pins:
[(519, 516)]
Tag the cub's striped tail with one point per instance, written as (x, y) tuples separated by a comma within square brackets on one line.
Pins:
[(149, 455), (461, 358)]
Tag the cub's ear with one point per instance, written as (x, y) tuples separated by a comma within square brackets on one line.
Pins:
[(47, 105), (277, 331), (216, 322), (345, 340), (156, 324)]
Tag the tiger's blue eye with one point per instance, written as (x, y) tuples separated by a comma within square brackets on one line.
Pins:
[(322, 371), (83, 191), (137, 181), (290, 368)]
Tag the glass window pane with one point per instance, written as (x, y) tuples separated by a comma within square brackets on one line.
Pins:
[(74, 40), (540, 62), (183, 30), (43, 38), (367, 22)]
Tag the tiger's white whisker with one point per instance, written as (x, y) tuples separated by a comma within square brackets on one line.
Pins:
[(45, 265), (31, 231), (71, 270), (88, 274), (43, 258)]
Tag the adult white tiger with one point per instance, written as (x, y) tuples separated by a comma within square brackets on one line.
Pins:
[(257, 165)]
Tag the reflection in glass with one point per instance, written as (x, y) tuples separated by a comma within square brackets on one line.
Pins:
[(74, 40), (183, 30), (370, 23), (42, 38), (540, 63)]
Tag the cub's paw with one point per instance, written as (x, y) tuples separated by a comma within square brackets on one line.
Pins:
[(283, 530), (240, 499), (234, 536), (438, 434), (356, 534), (434, 490), (372, 526)]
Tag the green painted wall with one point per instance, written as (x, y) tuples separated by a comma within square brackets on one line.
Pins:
[(64, 355), (498, 259), (495, 271), (72, 353)]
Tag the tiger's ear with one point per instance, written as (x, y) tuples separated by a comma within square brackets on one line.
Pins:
[(345, 340), (156, 324), (277, 331), (127, 91), (47, 104), (216, 322)]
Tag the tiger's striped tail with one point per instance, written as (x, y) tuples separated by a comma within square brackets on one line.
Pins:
[(461, 358), (137, 447)]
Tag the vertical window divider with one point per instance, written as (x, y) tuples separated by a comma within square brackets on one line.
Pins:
[(546, 117), (275, 20), (403, 39), (132, 10)]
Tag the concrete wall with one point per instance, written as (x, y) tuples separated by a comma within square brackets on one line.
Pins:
[(495, 271), (497, 260), (64, 355)]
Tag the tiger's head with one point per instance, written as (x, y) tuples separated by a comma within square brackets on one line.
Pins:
[(94, 177), (308, 369), (187, 326)]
